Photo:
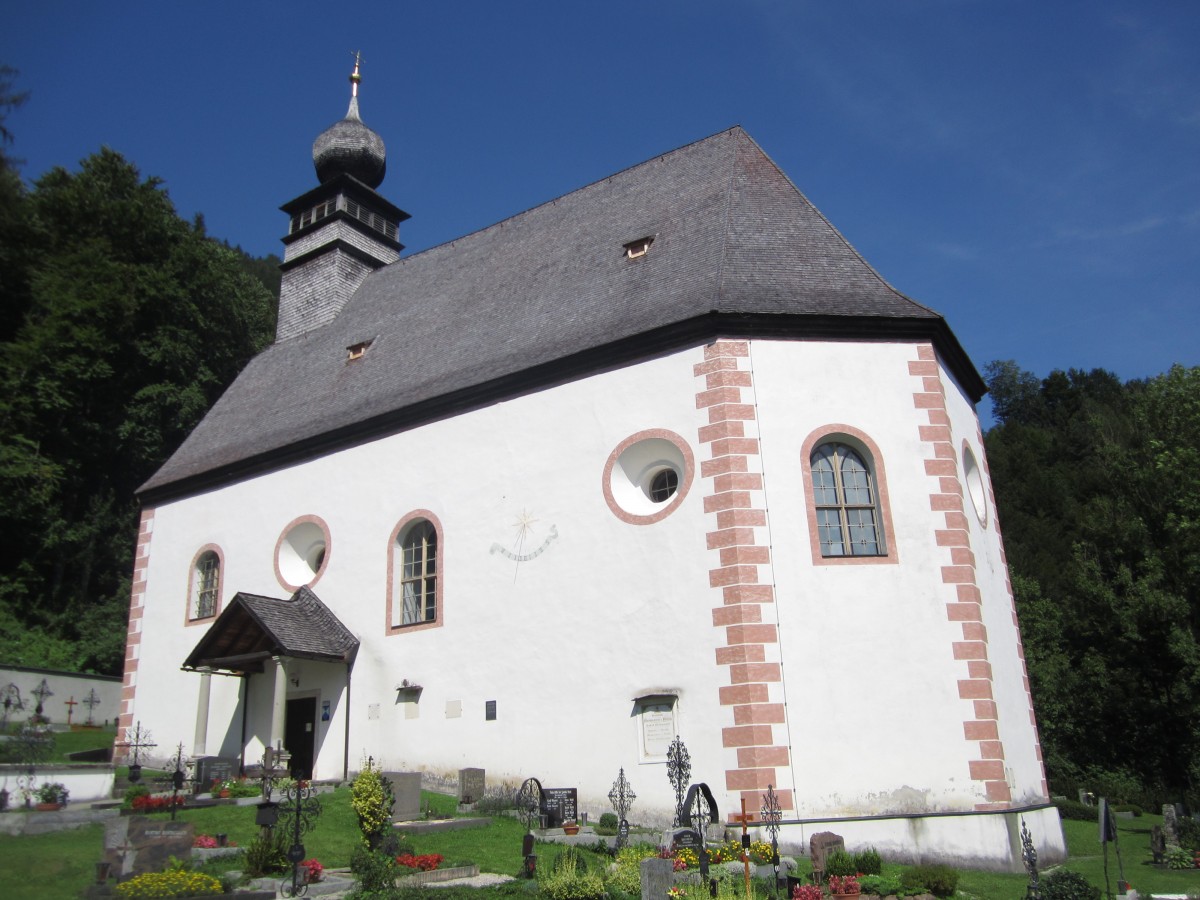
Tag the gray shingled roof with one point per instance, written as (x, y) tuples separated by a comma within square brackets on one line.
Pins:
[(549, 293), (253, 628)]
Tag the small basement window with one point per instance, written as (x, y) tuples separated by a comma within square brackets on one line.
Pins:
[(356, 351), (640, 247)]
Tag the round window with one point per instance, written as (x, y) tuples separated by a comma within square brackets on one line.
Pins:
[(301, 553), (975, 486), (647, 476)]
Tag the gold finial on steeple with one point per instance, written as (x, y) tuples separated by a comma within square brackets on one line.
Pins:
[(355, 78)]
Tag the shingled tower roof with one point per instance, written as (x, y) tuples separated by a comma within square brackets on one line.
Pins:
[(552, 293)]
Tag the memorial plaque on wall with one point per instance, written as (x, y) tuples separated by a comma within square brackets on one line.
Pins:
[(560, 805), (216, 768)]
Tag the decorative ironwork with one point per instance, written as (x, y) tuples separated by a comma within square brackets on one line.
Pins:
[(679, 773), (298, 814), (274, 767), (12, 703), (530, 801), (621, 797), (91, 701), (771, 815), (1029, 855), (140, 741), (177, 777), (42, 691)]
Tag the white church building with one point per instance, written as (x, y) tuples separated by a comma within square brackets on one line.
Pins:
[(661, 457)]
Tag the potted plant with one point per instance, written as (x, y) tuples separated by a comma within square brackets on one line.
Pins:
[(51, 796), (570, 827), (844, 886)]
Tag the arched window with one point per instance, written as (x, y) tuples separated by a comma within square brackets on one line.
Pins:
[(206, 586), (846, 503), (416, 575)]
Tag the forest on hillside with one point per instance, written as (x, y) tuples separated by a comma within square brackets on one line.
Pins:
[(123, 323)]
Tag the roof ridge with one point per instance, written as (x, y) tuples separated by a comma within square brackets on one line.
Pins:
[(836, 231), (579, 190)]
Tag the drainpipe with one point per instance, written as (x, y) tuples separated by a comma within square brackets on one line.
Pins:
[(346, 749), (244, 691)]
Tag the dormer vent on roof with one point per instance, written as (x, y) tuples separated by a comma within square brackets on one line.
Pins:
[(640, 247)]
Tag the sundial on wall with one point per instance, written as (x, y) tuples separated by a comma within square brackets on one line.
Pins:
[(531, 541)]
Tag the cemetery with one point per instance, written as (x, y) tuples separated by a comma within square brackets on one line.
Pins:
[(178, 827)]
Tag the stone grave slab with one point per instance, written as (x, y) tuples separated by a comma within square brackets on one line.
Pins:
[(657, 878), (821, 845), (137, 844), (471, 785), (406, 786)]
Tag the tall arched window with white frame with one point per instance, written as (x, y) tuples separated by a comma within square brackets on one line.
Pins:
[(846, 502), (417, 574)]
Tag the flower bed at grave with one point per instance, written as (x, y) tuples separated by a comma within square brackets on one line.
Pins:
[(169, 884), (426, 862), (155, 803)]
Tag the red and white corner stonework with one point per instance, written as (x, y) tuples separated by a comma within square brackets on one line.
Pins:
[(981, 727), (133, 643), (733, 495)]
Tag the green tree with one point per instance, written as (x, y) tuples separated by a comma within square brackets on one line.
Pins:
[(134, 323), (1099, 493)]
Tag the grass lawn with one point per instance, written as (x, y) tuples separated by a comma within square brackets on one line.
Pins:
[(59, 866)]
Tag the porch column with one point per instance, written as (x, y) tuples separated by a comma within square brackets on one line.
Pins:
[(278, 702), (201, 739)]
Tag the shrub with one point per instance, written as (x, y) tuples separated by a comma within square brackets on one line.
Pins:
[(150, 803), (1063, 884), (843, 884), (313, 870), (881, 885), (569, 878), (626, 875), (373, 872), (1189, 832), (132, 793), (807, 892), (609, 820), (1072, 809), (1179, 858), (267, 856), (839, 862), (498, 799), (868, 862), (937, 879), (372, 800), (169, 884)]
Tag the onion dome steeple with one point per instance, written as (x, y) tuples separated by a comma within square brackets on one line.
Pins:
[(349, 146)]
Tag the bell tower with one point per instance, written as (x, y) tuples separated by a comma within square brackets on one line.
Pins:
[(340, 231)]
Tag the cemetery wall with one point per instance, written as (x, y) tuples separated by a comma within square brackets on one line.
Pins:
[(64, 686)]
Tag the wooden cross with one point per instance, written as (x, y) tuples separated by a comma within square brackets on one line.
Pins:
[(745, 817), (70, 705)]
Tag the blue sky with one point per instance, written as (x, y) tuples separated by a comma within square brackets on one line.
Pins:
[(1029, 169)]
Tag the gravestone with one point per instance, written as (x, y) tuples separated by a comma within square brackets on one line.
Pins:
[(137, 844), (560, 805), (406, 786), (687, 839), (658, 877), (1158, 843), (1170, 826), (215, 768), (820, 845), (471, 785)]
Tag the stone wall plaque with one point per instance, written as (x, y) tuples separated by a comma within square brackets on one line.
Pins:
[(406, 786), (687, 839), (137, 844), (471, 785), (560, 805), (820, 845)]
